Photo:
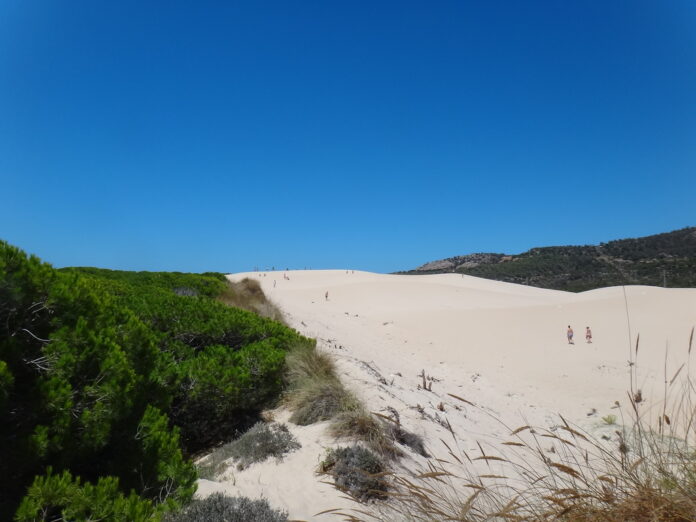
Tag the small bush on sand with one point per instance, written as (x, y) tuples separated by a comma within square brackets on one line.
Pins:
[(357, 471), (262, 441), (218, 507)]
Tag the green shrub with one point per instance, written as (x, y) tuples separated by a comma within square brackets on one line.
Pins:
[(218, 507), (123, 374), (209, 284), (62, 497), (357, 471), (223, 388), (162, 470)]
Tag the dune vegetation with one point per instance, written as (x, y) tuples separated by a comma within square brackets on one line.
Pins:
[(111, 381)]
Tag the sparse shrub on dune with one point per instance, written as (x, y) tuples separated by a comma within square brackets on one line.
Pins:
[(218, 507), (262, 441), (356, 471)]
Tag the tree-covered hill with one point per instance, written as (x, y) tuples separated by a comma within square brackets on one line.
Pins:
[(664, 259), (110, 381)]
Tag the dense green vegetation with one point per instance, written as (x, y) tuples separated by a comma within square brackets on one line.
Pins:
[(663, 259), (110, 381)]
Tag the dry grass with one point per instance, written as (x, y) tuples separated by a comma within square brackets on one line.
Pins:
[(248, 295), (359, 424), (305, 364), (318, 401), (647, 473), (315, 393)]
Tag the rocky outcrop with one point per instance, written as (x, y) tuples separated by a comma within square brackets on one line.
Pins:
[(452, 264)]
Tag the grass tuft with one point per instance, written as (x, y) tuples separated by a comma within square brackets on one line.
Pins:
[(315, 393), (248, 295), (359, 424), (319, 400)]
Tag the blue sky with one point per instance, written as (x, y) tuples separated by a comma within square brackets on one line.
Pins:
[(371, 135)]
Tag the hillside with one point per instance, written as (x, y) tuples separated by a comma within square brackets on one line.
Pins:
[(667, 259)]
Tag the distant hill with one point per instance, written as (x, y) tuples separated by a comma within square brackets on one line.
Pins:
[(661, 260)]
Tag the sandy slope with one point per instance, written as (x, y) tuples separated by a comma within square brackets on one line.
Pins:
[(501, 346)]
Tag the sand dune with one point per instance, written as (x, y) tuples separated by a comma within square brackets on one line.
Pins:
[(499, 345)]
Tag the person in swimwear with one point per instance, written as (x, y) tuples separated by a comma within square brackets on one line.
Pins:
[(588, 335), (569, 333)]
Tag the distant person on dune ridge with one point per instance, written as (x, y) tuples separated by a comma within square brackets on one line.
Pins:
[(569, 334), (588, 335)]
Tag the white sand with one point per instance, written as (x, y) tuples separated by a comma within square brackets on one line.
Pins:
[(500, 346)]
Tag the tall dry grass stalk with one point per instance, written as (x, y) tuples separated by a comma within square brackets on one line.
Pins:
[(646, 472)]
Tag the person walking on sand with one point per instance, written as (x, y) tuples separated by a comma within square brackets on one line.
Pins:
[(569, 333), (588, 335), (326, 295)]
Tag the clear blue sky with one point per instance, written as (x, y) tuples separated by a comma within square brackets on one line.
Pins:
[(371, 135)]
